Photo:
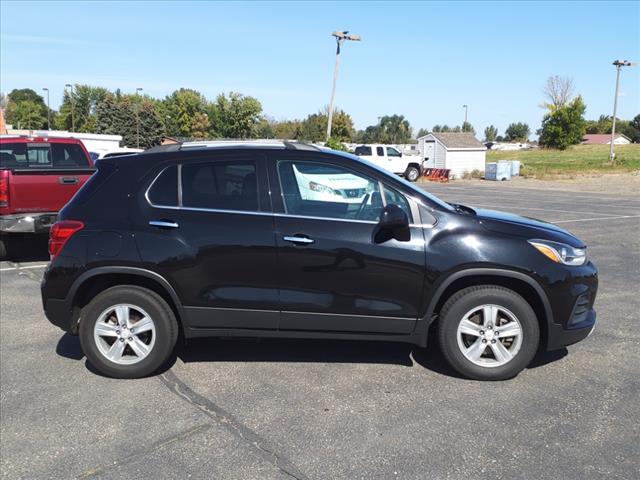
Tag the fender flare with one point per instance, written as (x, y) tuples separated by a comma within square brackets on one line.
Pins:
[(425, 322), (141, 272)]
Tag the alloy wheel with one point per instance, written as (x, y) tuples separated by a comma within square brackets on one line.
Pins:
[(489, 335), (124, 334)]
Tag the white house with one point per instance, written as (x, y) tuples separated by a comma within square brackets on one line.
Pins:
[(605, 139), (459, 152)]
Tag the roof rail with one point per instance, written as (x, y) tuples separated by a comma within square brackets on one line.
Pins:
[(287, 144)]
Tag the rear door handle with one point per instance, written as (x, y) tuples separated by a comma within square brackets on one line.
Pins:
[(68, 180), (163, 224), (300, 240)]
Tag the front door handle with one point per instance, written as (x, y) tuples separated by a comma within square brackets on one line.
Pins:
[(163, 224), (299, 240), (68, 180)]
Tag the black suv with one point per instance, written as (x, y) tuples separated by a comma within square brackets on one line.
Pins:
[(290, 240)]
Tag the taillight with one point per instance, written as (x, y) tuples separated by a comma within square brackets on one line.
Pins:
[(60, 233), (4, 190)]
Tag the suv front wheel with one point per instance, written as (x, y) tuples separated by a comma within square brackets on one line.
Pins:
[(128, 332), (488, 332)]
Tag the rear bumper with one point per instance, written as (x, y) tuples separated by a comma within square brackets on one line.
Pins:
[(32, 222), (559, 336), (60, 314)]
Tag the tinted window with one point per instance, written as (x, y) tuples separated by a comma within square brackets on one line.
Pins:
[(28, 155), (363, 151), (220, 186), (164, 191), (328, 191), (380, 151), (392, 152)]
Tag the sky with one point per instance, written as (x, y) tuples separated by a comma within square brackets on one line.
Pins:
[(423, 60)]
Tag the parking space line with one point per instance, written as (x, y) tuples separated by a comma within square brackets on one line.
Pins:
[(23, 268), (595, 218)]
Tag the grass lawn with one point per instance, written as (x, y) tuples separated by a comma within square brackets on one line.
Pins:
[(579, 159)]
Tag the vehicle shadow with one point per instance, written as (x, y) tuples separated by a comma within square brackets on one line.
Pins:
[(27, 248), (302, 351)]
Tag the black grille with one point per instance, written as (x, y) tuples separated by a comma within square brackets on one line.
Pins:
[(580, 310)]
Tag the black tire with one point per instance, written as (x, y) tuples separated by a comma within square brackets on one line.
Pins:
[(465, 300), (412, 173), (166, 330)]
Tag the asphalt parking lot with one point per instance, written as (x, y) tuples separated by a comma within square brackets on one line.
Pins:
[(341, 410)]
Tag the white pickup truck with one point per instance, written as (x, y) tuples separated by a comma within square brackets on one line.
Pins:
[(392, 160)]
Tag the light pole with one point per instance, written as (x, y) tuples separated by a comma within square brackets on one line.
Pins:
[(45, 89), (340, 39), (619, 64), (73, 121), (466, 110), (138, 119)]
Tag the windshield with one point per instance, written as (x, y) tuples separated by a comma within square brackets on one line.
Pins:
[(421, 193)]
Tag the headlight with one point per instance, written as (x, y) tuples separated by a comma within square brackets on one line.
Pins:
[(560, 252)]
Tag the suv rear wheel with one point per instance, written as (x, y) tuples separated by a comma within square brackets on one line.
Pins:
[(128, 332), (488, 332)]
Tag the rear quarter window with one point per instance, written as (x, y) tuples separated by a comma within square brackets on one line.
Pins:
[(164, 190)]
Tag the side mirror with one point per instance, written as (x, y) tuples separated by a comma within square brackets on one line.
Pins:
[(394, 223), (393, 217)]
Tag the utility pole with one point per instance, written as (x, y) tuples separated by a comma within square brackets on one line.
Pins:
[(138, 119), (619, 64), (45, 89), (340, 39), (73, 107), (466, 109)]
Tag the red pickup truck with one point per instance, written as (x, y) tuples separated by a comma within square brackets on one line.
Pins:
[(38, 175)]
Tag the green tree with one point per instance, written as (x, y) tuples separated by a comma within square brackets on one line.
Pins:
[(26, 109), (602, 125), (287, 129), (394, 129), (120, 116), (564, 126), (314, 127), (517, 132), (26, 114), (79, 108), (632, 130), (490, 133), (335, 144), (422, 132), (199, 125), (468, 128), (235, 116), (179, 109)]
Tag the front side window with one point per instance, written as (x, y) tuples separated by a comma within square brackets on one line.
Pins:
[(380, 151), (220, 186), (392, 152), (332, 191)]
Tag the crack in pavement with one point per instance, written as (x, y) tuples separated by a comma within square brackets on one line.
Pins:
[(134, 456), (260, 445)]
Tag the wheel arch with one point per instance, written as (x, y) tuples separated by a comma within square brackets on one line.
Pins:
[(519, 282), (96, 280)]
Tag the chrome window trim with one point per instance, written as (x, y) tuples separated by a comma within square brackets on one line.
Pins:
[(252, 212)]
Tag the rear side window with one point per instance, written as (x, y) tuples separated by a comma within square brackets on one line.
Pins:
[(220, 186), (164, 191), (39, 155), (363, 151)]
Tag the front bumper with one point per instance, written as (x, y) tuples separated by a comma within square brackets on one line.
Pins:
[(559, 336), (36, 222)]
